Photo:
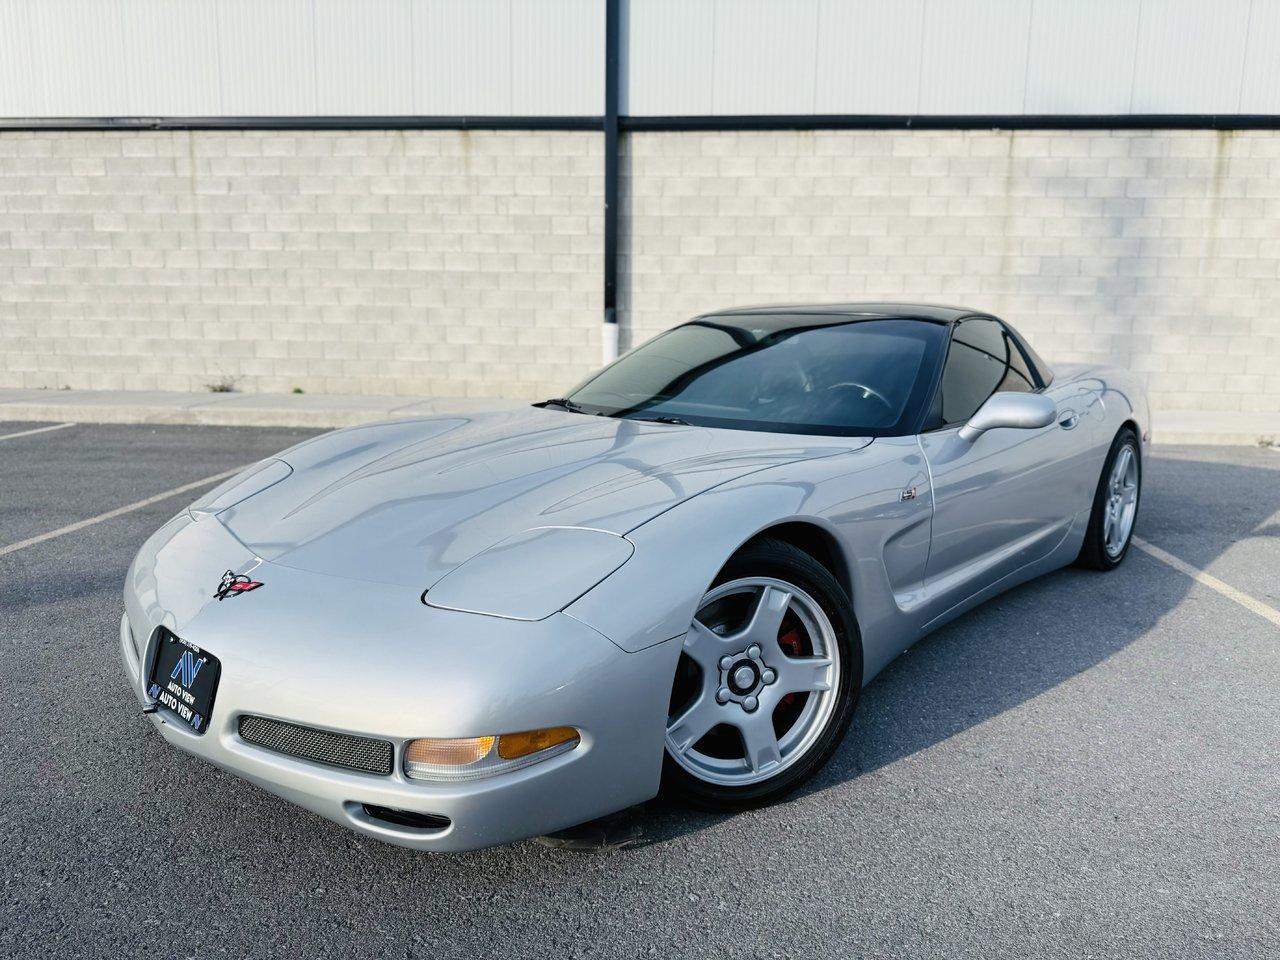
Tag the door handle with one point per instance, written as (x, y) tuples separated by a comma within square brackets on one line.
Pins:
[(1069, 421)]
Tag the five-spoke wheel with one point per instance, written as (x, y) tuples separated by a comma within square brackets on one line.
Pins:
[(1122, 502), (766, 680), (1115, 505)]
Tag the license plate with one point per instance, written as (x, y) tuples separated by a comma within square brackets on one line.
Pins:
[(184, 680)]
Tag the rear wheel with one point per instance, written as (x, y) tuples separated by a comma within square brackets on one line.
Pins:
[(1115, 505), (767, 680)]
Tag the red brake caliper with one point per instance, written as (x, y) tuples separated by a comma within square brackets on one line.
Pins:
[(793, 646)]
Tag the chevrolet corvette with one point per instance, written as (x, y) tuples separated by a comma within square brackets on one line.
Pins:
[(463, 630)]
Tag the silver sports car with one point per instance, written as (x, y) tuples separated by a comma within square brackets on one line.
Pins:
[(457, 631)]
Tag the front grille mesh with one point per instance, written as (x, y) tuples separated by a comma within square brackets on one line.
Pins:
[(320, 746)]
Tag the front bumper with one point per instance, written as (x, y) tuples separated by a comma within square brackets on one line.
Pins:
[(371, 660)]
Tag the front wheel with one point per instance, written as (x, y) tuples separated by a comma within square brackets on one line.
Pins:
[(767, 681)]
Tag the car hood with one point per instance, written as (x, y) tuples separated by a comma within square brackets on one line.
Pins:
[(405, 502)]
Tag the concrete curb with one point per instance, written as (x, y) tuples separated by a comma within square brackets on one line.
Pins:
[(1216, 428), (1170, 438), (228, 410)]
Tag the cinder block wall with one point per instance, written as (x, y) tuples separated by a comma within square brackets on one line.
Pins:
[(446, 263), (1155, 250), (469, 264)]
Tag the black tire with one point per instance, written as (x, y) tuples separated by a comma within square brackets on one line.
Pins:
[(1093, 553), (780, 560)]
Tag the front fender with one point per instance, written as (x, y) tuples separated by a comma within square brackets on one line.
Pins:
[(858, 498), (654, 596)]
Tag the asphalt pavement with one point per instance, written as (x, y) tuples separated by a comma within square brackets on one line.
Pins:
[(1086, 766)]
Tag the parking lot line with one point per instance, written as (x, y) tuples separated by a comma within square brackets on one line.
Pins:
[(28, 433), (1210, 581), (118, 511)]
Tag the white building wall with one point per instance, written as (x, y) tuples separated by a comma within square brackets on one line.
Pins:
[(114, 58), (469, 264), (698, 57), (90, 58), (1159, 251), (446, 263)]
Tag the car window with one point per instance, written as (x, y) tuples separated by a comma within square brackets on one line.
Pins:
[(1018, 366), (1038, 365), (982, 360), (844, 378)]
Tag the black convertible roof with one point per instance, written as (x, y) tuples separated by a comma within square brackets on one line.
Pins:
[(811, 312)]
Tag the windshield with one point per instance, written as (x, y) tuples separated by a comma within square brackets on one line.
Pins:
[(845, 378)]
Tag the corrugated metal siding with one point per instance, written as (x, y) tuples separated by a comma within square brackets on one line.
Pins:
[(1192, 53), (975, 52), (1082, 53), (87, 41), (171, 60), (953, 56), (17, 78), (765, 56), (667, 61), (868, 56), (470, 77), (87, 58), (698, 57), (267, 56), (367, 57), (1261, 83), (557, 57)]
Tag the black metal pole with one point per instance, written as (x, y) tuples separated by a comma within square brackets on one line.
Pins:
[(612, 79)]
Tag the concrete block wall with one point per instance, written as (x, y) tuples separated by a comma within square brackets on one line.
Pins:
[(444, 263), (470, 264), (1157, 250)]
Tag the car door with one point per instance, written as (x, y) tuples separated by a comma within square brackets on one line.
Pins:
[(1008, 497)]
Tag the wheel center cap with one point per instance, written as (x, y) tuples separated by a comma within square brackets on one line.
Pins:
[(743, 678)]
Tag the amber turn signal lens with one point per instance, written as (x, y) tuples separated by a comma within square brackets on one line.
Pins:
[(449, 753), (475, 757), (512, 746)]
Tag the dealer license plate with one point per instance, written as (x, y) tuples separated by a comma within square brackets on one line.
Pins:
[(184, 680)]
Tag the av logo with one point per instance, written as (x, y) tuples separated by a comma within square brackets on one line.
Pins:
[(187, 667)]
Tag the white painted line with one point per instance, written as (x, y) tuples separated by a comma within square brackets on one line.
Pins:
[(28, 433), (118, 511), (1210, 581)]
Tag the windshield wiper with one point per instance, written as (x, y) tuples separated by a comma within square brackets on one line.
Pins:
[(565, 403), (675, 420), (562, 403)]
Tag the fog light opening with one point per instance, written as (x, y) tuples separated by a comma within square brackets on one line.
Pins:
[(406, 818)]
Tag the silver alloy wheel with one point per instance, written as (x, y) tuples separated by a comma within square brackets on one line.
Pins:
[(1122, 502), (745, 676)]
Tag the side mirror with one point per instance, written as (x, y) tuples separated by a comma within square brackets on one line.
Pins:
[(1022, 411)]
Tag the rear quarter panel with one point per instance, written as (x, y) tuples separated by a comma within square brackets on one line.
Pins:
[(1114, 396)]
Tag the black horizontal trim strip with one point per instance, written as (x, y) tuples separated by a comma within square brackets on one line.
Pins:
[(1119, 121), (300, 123), (1126, 121)]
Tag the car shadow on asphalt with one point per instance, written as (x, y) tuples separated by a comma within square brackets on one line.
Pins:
[(1018, 645)]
